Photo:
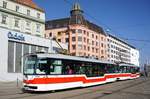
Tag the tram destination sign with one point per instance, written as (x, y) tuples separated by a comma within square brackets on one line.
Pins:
[(16, 36)]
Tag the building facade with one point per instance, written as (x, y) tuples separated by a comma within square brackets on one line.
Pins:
[(22, 27), (83, 37), (89, 40), (22, 16), (120, 51)]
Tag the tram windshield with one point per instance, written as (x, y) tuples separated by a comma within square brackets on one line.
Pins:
[(35, 65), (30, 63)]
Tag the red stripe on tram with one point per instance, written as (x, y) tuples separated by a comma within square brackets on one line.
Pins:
[(53, 80)]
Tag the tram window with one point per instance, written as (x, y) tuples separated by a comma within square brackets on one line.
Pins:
[(70, 67), (123, 69), (30, 65), (56, 67), (81, 70), (42, 66), (109, 69)]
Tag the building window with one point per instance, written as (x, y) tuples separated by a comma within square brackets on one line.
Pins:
[(16, 23), (102, 38), (4, 4), (92, 42), (59, 33), (73, 38), (111, 56), (80, 47), (93, 49), (59, 40), (87, 33), (102, 51), (18, 55), (38, 28), (38, 15), (102, 45), (28, 12), (84, 39), (73, 31), (84, 32), (4, 17), (96, 43), (17, 8), (96, 37), (111, 46), (28, 25), (50, 34), (96, 50), (88, 48), (102, 56), (84, 47), (79, 31), (11, 57), (79, 38), (73, 47), (67, 40), (67, 33), (88, 41), (92, 35)]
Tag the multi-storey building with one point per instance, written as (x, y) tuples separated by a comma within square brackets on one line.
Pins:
[(89, 40), (22, 16), (120, 51), (22, 27), (83, 37)]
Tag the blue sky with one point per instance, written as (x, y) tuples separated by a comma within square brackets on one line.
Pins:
[(124, 18)]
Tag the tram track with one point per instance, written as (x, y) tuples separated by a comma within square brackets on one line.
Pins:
[(105, 93)]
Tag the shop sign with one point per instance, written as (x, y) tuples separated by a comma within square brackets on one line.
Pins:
[(16, 36)]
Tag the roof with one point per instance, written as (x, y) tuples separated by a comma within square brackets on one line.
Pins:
[(64, 22), (67, 57), (28, 3)]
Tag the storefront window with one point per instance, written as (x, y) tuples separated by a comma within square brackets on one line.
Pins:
[(18, 57), (10, 57)]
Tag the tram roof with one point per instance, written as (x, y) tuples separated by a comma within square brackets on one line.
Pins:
[(67, 57), (130, 65)]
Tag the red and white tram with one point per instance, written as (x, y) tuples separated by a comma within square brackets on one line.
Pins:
[(45, 72)]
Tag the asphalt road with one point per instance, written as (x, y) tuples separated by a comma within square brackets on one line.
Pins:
[(129, 89)]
